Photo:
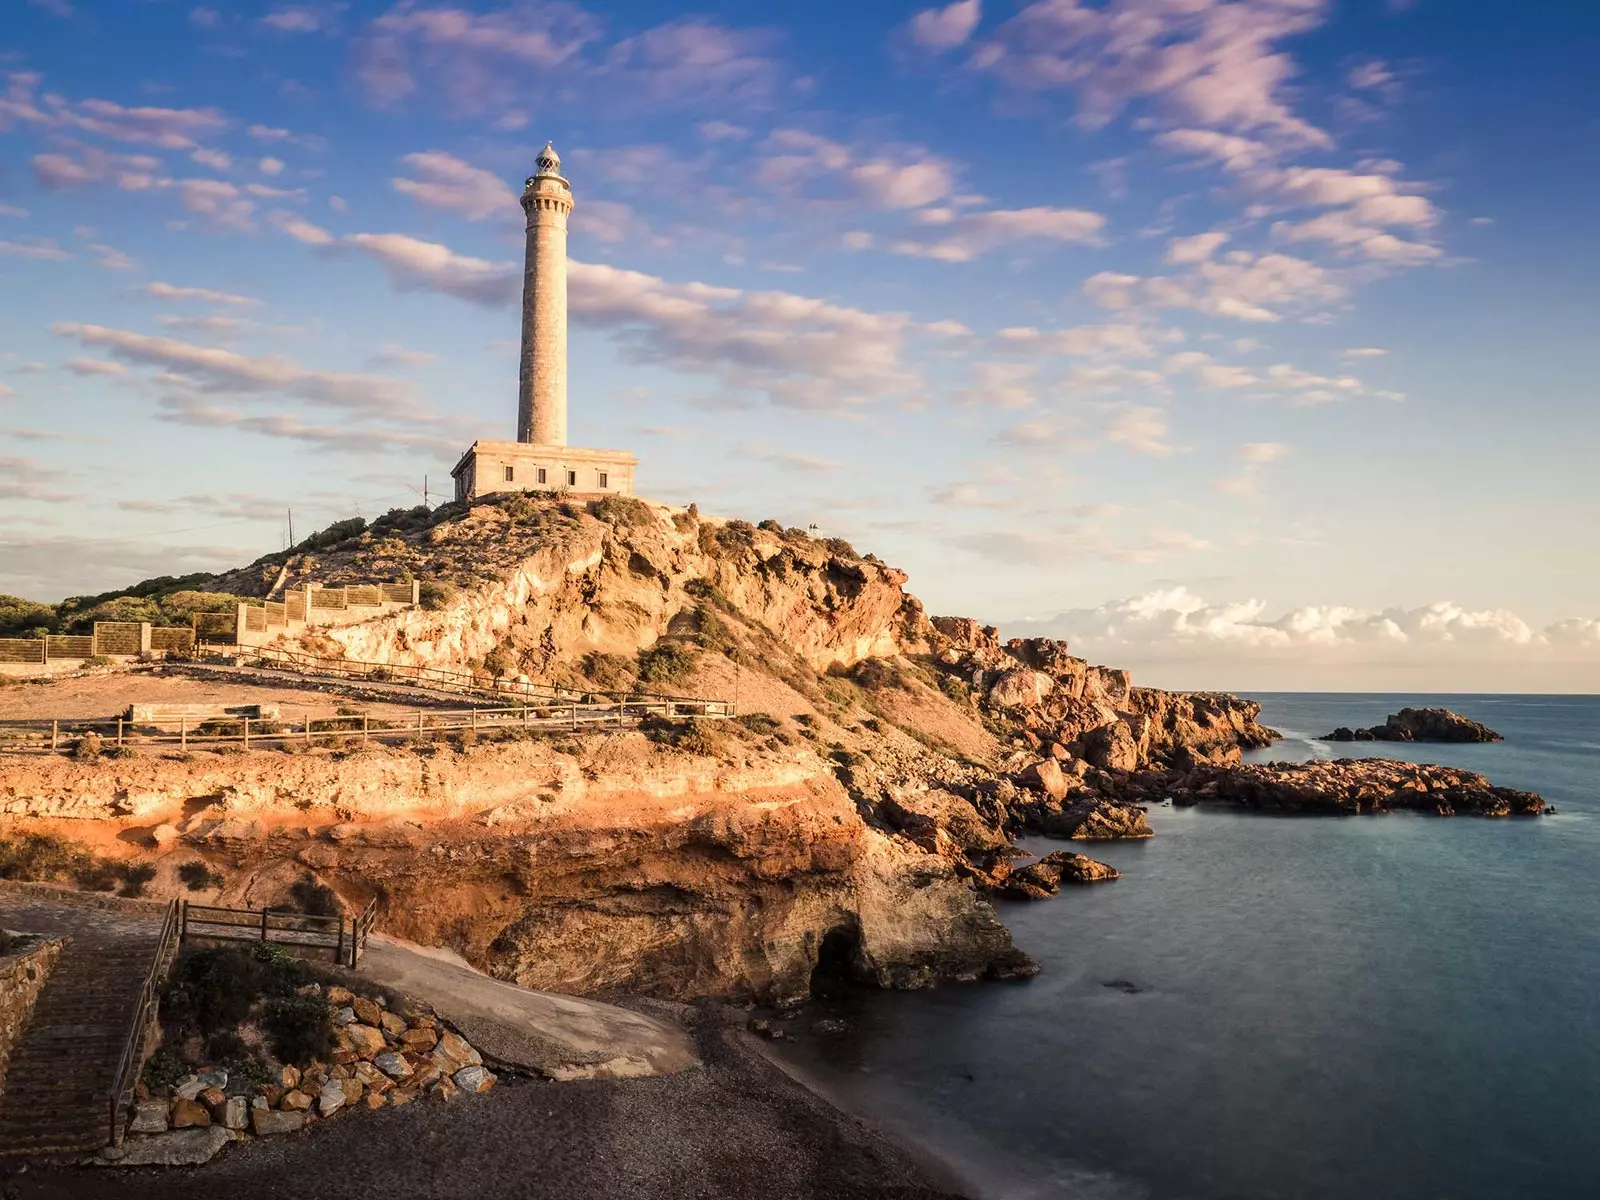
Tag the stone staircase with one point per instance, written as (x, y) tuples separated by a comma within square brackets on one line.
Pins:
[(58, 1083)]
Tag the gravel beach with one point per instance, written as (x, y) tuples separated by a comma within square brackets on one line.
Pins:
[(740, 1129)]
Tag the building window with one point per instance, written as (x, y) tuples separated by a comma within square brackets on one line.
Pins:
[(602, 480), (572, 479), (541, 475), (510, 474)]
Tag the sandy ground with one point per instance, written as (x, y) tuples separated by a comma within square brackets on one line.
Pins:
[(109, 695), (738, 1130)]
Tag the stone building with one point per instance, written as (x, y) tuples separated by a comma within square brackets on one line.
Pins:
[(540, 459)]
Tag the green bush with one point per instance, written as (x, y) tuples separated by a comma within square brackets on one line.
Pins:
[(433, 594), (665, 662), (211, 990), (760, 722), (197, 876), (608, 672), (298, 1028), (315, 899), (163, 1069), (623, 511), (134, 877)]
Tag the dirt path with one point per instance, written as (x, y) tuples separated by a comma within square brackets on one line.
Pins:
[(560, 1037)]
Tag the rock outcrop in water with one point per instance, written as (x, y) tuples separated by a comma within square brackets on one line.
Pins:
[(1419, 725), (1346, 785)]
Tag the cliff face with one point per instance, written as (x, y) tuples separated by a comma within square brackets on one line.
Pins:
[(859, 814)]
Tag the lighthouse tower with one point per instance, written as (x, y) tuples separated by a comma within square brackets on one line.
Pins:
[(540, 459), (542, 391)]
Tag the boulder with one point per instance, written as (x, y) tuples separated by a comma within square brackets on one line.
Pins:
[(367, 1012), (393, 1065), (345, 1016), (474, 1079), (371, 1078), (1020, 688), (296, 1101), (331, 1099), (373, 1100), (1044, 776), (1418, 725), (288, 1077), (1111, 747), (452, 1053), (235, 1113), (366, 1041), (149, 1117), (393, 1023), (339, 995), (189, 1087), (420, 1040), (188, 1114), (1096, 818), (267, 1123)]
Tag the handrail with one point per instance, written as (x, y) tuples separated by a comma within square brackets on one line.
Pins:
[(363, 926), (459, 680), (132, 1059)]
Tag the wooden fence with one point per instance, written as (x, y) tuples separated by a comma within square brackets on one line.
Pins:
[(123, 639), (45, 735), (345, 936)]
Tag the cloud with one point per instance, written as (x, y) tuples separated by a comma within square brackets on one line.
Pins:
[(295, 19), (1212, 63), (95, 366), (967, 235), (449, 184), (109, 258), (206, 369), (693, 61), (165, 128), (415, 265), (170, 291), (791, 460), (1184, 250), (391, 355), (476, 61), (948, 27), (129, 172), (796, 163), (26, 479), (1363, 352), (1141, 429), (1318, 642), (59, 566), (999, 385), (35, 248), (1242, 286), (1262, 452)]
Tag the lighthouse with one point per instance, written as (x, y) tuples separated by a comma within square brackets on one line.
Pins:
[(540, 459)]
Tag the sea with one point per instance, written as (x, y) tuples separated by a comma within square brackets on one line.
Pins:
[(1282, 1008)]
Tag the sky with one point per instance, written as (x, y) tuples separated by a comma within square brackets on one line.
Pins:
[(1246, 343)]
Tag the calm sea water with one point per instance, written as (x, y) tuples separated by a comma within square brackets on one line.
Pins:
[(1326, 1008)]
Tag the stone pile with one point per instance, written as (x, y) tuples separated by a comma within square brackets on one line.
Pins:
[(380, 1059)]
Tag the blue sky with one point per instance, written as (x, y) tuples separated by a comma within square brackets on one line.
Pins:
[(1246, 342)]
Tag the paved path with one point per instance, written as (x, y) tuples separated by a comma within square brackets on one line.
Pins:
[(559, 1037), (58, 1084)]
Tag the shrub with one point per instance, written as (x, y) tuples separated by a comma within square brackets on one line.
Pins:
[(433, 594), (314, 898), (498, 662), (466, 739), (665, 662), (771, 526), (875, 674), (197, 876), (120, 752), (298, 1028), (163, 1069), (760, 722), (97, 660), (87, 748), (623, 511), (693, 737), (134, 877), (609, 672), (211, 990), (840, 548)]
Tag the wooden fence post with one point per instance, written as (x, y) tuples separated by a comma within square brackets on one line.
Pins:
[(338, 952), (119, 731), (183, 733), (55, 734), (364, 728), (419, 724), (247, 733), (264, 913)]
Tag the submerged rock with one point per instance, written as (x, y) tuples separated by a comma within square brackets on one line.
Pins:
[(1042, 879)]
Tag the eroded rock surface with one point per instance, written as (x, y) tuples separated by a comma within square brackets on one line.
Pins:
[(1350, 785), (1419, 725)]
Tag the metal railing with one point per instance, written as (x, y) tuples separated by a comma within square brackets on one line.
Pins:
[(144, 1018)]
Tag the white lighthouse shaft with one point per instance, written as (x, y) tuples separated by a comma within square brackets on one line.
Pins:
[(542, 392)]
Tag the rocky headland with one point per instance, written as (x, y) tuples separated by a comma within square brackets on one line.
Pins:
[(858, 816), (1419, 725)]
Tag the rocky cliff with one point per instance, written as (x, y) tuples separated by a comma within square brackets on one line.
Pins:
[(859, 814)]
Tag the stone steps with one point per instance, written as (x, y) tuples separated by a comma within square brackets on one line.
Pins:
[(58, 1084)]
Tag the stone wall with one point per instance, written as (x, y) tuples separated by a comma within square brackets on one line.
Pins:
[(22, 975)]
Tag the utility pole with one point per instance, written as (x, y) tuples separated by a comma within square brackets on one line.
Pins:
[(290, 513), (425, 491)]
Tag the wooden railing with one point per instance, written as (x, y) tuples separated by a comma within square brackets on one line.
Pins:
[(46, 735), (144, 1018), (443, 678), (345, 936)]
